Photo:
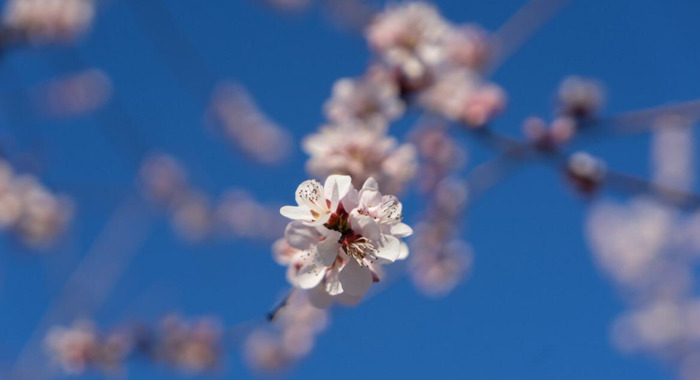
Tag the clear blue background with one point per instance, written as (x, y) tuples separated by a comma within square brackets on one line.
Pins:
[(535, 307)]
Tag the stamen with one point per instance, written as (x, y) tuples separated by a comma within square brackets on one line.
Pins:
[(361, 249)]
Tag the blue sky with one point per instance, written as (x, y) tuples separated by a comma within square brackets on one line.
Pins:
[(535, 307)]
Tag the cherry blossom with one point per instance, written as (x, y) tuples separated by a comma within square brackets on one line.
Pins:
[(360, 153), (359, 231), (371, 100)]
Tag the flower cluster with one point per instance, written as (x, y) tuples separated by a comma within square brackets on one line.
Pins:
[(340, 237), (75, 94), (81, 346), (189, 346), (194, 216), (29, 210), (439, 259), (578, 101), (651, 251), (361, 153), (295, 328), (246, 127), (355, 142), (47, 21), (441, 62)]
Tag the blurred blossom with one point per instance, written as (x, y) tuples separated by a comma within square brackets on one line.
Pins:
[(580, 97), (233, 111), (79, 347), (295, 327), (437, 266), (360, 153), (192, 218), (265, 352), (239, 215), (467, 46), (75, 94), (667, 329), (651, 251), (29, 210), (163, 179), (585, 172), (192, 346), (194, 215), (409, 36), (439, 61), (439, 154), (628, 240), (558, 133), (439, 259), (461, 95), (342, 238), (372, 100), (47, 21)]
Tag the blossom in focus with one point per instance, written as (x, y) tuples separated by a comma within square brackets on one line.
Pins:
[(360, 153), (340, 238), (372, 100), (47, 21)]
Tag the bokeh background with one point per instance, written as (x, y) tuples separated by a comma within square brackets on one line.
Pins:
[(535, 305)]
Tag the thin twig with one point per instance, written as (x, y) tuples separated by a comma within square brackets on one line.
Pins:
[(520, 27)]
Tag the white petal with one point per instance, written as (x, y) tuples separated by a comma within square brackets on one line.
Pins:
[(370, 184), (310, 194), (307, 276), (356, 280), (401, 230), (403, 253), (282, 252), (328, 248), (343, 184), (332, 284), (388, 248), (365, 226), (351, 199), (301, 236), (370, 196), (296, 213)]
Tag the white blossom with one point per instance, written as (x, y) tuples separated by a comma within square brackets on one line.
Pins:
[(340, 238), (361, 153)]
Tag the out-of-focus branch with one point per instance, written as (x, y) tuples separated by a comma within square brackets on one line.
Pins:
[(644, 120), (91, 281), (175, 48), (520, 27)]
